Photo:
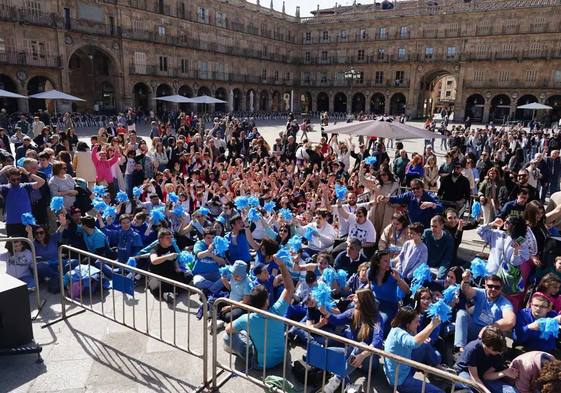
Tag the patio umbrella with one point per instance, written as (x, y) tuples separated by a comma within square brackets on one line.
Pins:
[(207, 100), (9, 94), (55, 95), (534, 107), (177, 99), (382, 128)]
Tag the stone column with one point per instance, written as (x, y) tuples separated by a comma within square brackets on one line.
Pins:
[(412, 97), (331, 101), (314, 103), (231, 101), (486, 110), (459, 102), (292, 101), (251, 103)]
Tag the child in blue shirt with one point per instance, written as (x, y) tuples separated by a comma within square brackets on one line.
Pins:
[(239, 286)]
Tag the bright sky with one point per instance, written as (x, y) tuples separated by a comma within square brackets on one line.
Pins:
[(305, 5)]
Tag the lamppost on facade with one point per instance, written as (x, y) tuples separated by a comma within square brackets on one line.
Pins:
[(95, 106), (352, 75)]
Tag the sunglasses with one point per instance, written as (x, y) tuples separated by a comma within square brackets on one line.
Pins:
[(492, 286), (40, 232)]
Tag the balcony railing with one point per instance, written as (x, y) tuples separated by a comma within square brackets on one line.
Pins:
[(26, 15), (510, 84), (30, 59)]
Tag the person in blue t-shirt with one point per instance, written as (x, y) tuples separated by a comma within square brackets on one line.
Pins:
[(402, 340), (527, 329), (236, 280), (266, 347), (490, 308), (240, 241), (273, 284), (125, 239), (207, 264)]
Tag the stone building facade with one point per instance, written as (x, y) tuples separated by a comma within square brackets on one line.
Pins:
[(498, 54)]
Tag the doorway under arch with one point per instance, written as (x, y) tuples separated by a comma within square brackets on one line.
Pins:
[(250, 100), (322, 102), (378, 104), (162, 91), (237, 100), (10, 104), (475, 104), (91, 70), (264, 101), (141, 93), (39, 84), (525, 114), (397, 104), (306, 102), (221, 95), (359, 103), (340, 103), (437, 93), (555, 113), (500, 108)]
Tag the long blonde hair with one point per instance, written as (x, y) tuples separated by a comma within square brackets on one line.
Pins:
[(365, 315)]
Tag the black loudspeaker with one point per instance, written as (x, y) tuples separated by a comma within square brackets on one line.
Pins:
[(15, 313)]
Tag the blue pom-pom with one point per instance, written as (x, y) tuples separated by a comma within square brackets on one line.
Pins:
[(310, 232), (270, 206), (549, 327), (253, 201), (99, 191), (173, 198), (185, 260), (204, 211), (421, 275), (28, 219), (136, 192), (285, 214), (225, 272), (295, 243), (370, 160), (253, 215), (131, 262), (157, 215), (342, 278), (178, 211), (475, 210), (440, 309), (99, 205), (221, 220), (121, 197), (221, 245), (340, 191), (109, 211), (284, 256), (478, 268), (241, 202), (450, 293), (57, 204), (329, 275), (322, 295)]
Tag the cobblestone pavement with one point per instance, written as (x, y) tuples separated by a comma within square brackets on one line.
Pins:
[(89, 353)]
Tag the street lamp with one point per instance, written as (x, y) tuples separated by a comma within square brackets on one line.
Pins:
[(352, 75), (91, 57)]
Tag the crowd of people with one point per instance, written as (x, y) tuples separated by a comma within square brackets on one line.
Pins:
[(284, 226)]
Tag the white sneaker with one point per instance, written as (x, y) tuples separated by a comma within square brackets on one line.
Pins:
[(220, 325), (332, 385)]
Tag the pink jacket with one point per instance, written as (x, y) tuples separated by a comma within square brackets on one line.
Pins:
[(103, 167)]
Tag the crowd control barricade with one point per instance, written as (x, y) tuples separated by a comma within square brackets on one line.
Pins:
[(25, 240), (224, 370), (85, 285)]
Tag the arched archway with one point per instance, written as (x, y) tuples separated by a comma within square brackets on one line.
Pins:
[(141, 93), (359, 103), (276, 101), (237, 100), (250, 99), (10, 104), (162, 91), (322, 102), (397, 104), (378, 104), (340, 103), (500, 108), (185, 91), (264, 101), (437, 93), (203, 91), (91, 70), (39, 84), (306, 102), (475, 104), (525, 114), (286, 102), (221, 95), (555, 113)]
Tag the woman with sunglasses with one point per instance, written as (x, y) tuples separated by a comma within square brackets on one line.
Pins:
[(62, 184)]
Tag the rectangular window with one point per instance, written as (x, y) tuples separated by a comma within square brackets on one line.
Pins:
[(343, 35), (399, 77), (401, 54), (381, 53), (203, 70), (324, 55), (184, 66), (428, 53), (220, 19), (163, 63), (379, 77), (404, 32), (307, 56), (276, 75), (382, 33), (202, 15), (2, 45), (306, 77), (263, 74), (161, 31), (504, 76), (140, 62), (360, 55), (531, 75), (451, 52), (325, 36), (557, 76), (323, 78), (34, 8), (478, 75), (362, 34), (181, 10), (308, 36)]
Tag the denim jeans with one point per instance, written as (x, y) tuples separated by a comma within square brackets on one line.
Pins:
[(213, 286), (128, 184), (241, 346), (366, 363), (412, 385), (466, 330), (426, 354), (497, 386)]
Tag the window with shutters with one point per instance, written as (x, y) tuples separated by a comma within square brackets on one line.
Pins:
[(184, 66), (163, 63), (379, 77), (202, 15), (557, 76), (308, 36), (451, 52), (324, 56), (504, 76), (343, 35), (140, 62), (360, 55), (404, 31), (220, 19), (399, 76), (531, 75), (382, 33), (323, 78), (478, 75), (429, 52), (161, 31), (307, 56), (401, 53), (381, 53), (325, 36), (362, 34)]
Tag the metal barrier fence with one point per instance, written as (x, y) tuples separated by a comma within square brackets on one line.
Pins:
[(327, 336), (35, 274), (105, 302)]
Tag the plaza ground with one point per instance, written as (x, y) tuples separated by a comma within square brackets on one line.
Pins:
[(89, 353)]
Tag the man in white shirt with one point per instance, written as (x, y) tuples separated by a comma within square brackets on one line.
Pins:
[(325, 236), (37, 126), (360, 227)]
